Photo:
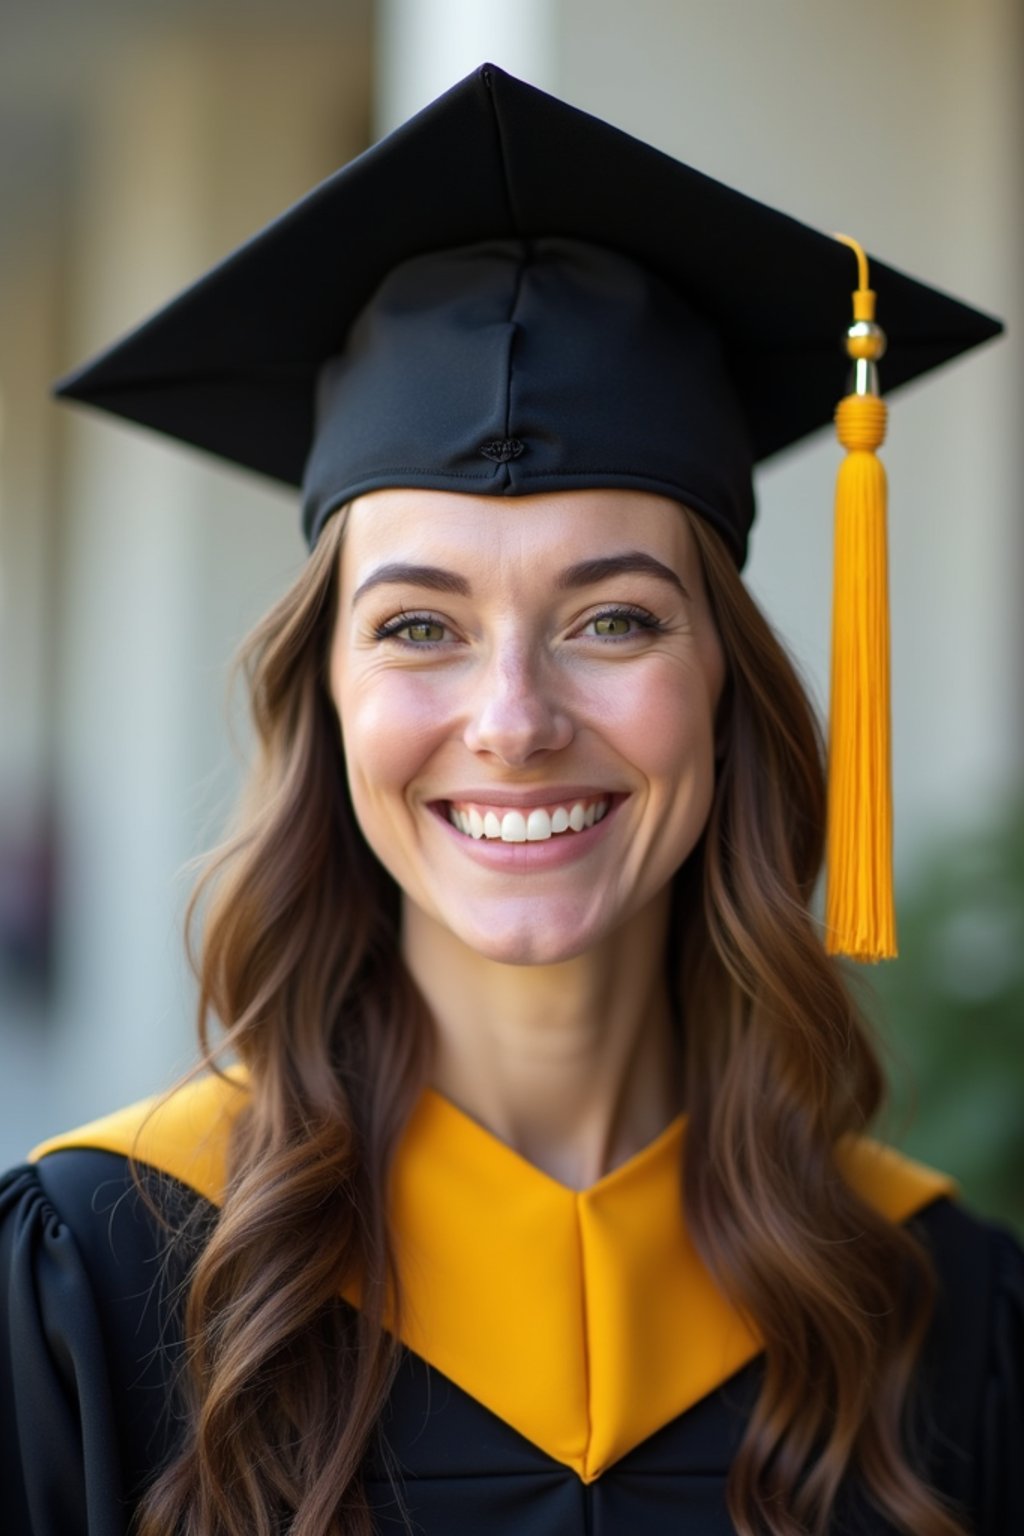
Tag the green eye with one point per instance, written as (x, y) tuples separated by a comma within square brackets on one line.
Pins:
[(613, 624), (424, 631)]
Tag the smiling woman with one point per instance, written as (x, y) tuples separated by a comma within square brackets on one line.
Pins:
[(530, 748), (527, 1188)]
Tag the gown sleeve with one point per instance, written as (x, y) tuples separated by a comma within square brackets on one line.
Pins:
[(58, 1452), (967, 1423), (89, 1344), (1002, 1418)]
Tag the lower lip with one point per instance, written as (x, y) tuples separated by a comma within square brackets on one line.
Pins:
[(530, 858)]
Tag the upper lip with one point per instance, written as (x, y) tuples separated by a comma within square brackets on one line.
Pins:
[(544, 794)]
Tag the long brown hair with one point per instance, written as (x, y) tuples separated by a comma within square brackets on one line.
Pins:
[(300, 965)]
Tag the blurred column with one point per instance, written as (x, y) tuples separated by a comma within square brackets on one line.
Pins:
[(30, 288), (189, 143), (425, 46), (130, 551)]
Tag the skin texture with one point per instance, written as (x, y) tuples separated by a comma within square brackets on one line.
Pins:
[(542, 964)]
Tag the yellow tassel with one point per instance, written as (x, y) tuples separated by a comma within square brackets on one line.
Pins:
[(859, 915), (859, 911)]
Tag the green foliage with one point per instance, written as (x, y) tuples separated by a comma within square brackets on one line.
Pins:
[(951, 1011)]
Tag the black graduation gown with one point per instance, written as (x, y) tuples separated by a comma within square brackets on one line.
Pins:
[(86, 1348)]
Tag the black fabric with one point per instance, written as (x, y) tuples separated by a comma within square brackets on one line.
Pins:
[(233, 365), (598, 372), (89, 1342)]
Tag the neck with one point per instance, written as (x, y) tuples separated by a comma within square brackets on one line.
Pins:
[(574, 1065)]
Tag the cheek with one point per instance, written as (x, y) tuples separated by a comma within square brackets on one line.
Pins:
[(660, 717), (390, 726)]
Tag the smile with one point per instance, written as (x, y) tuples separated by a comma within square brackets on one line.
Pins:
[(537, 824)]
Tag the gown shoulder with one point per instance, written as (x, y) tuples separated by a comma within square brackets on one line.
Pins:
[(970, 1386), (89, 1342)]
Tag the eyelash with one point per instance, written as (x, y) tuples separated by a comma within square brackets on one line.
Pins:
[(639, 616), (392, 628)]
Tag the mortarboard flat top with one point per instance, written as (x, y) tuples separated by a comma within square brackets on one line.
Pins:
[(508, 181)]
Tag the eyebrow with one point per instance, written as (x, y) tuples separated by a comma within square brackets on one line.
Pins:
[(584, 574), (631, 561), (400, 573)]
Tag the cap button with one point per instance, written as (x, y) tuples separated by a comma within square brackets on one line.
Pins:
[(501, 449)]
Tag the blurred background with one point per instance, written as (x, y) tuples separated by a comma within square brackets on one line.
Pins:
[(139, 142)]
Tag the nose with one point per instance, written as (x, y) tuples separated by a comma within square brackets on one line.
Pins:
[(516, 711)]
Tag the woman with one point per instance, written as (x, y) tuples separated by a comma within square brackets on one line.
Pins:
[(515, 916)]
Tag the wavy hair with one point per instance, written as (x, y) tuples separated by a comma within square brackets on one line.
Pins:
[(299, 966)]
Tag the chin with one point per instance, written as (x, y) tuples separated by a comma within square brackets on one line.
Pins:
[(535, 937)]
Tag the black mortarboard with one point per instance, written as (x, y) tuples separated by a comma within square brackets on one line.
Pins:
[(508, 295)]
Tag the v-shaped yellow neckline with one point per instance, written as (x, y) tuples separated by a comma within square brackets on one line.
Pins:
[(585, 1319), (556, 1307), (456, 1125)]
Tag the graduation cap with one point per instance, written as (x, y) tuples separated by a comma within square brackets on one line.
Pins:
[(507, 296)]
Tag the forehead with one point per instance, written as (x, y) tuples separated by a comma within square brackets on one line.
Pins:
[(529, 534)]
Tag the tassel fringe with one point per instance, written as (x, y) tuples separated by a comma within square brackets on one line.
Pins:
[(859, 909)]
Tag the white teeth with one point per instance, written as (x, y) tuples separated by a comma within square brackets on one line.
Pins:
[(513, 827), (538, 826)]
